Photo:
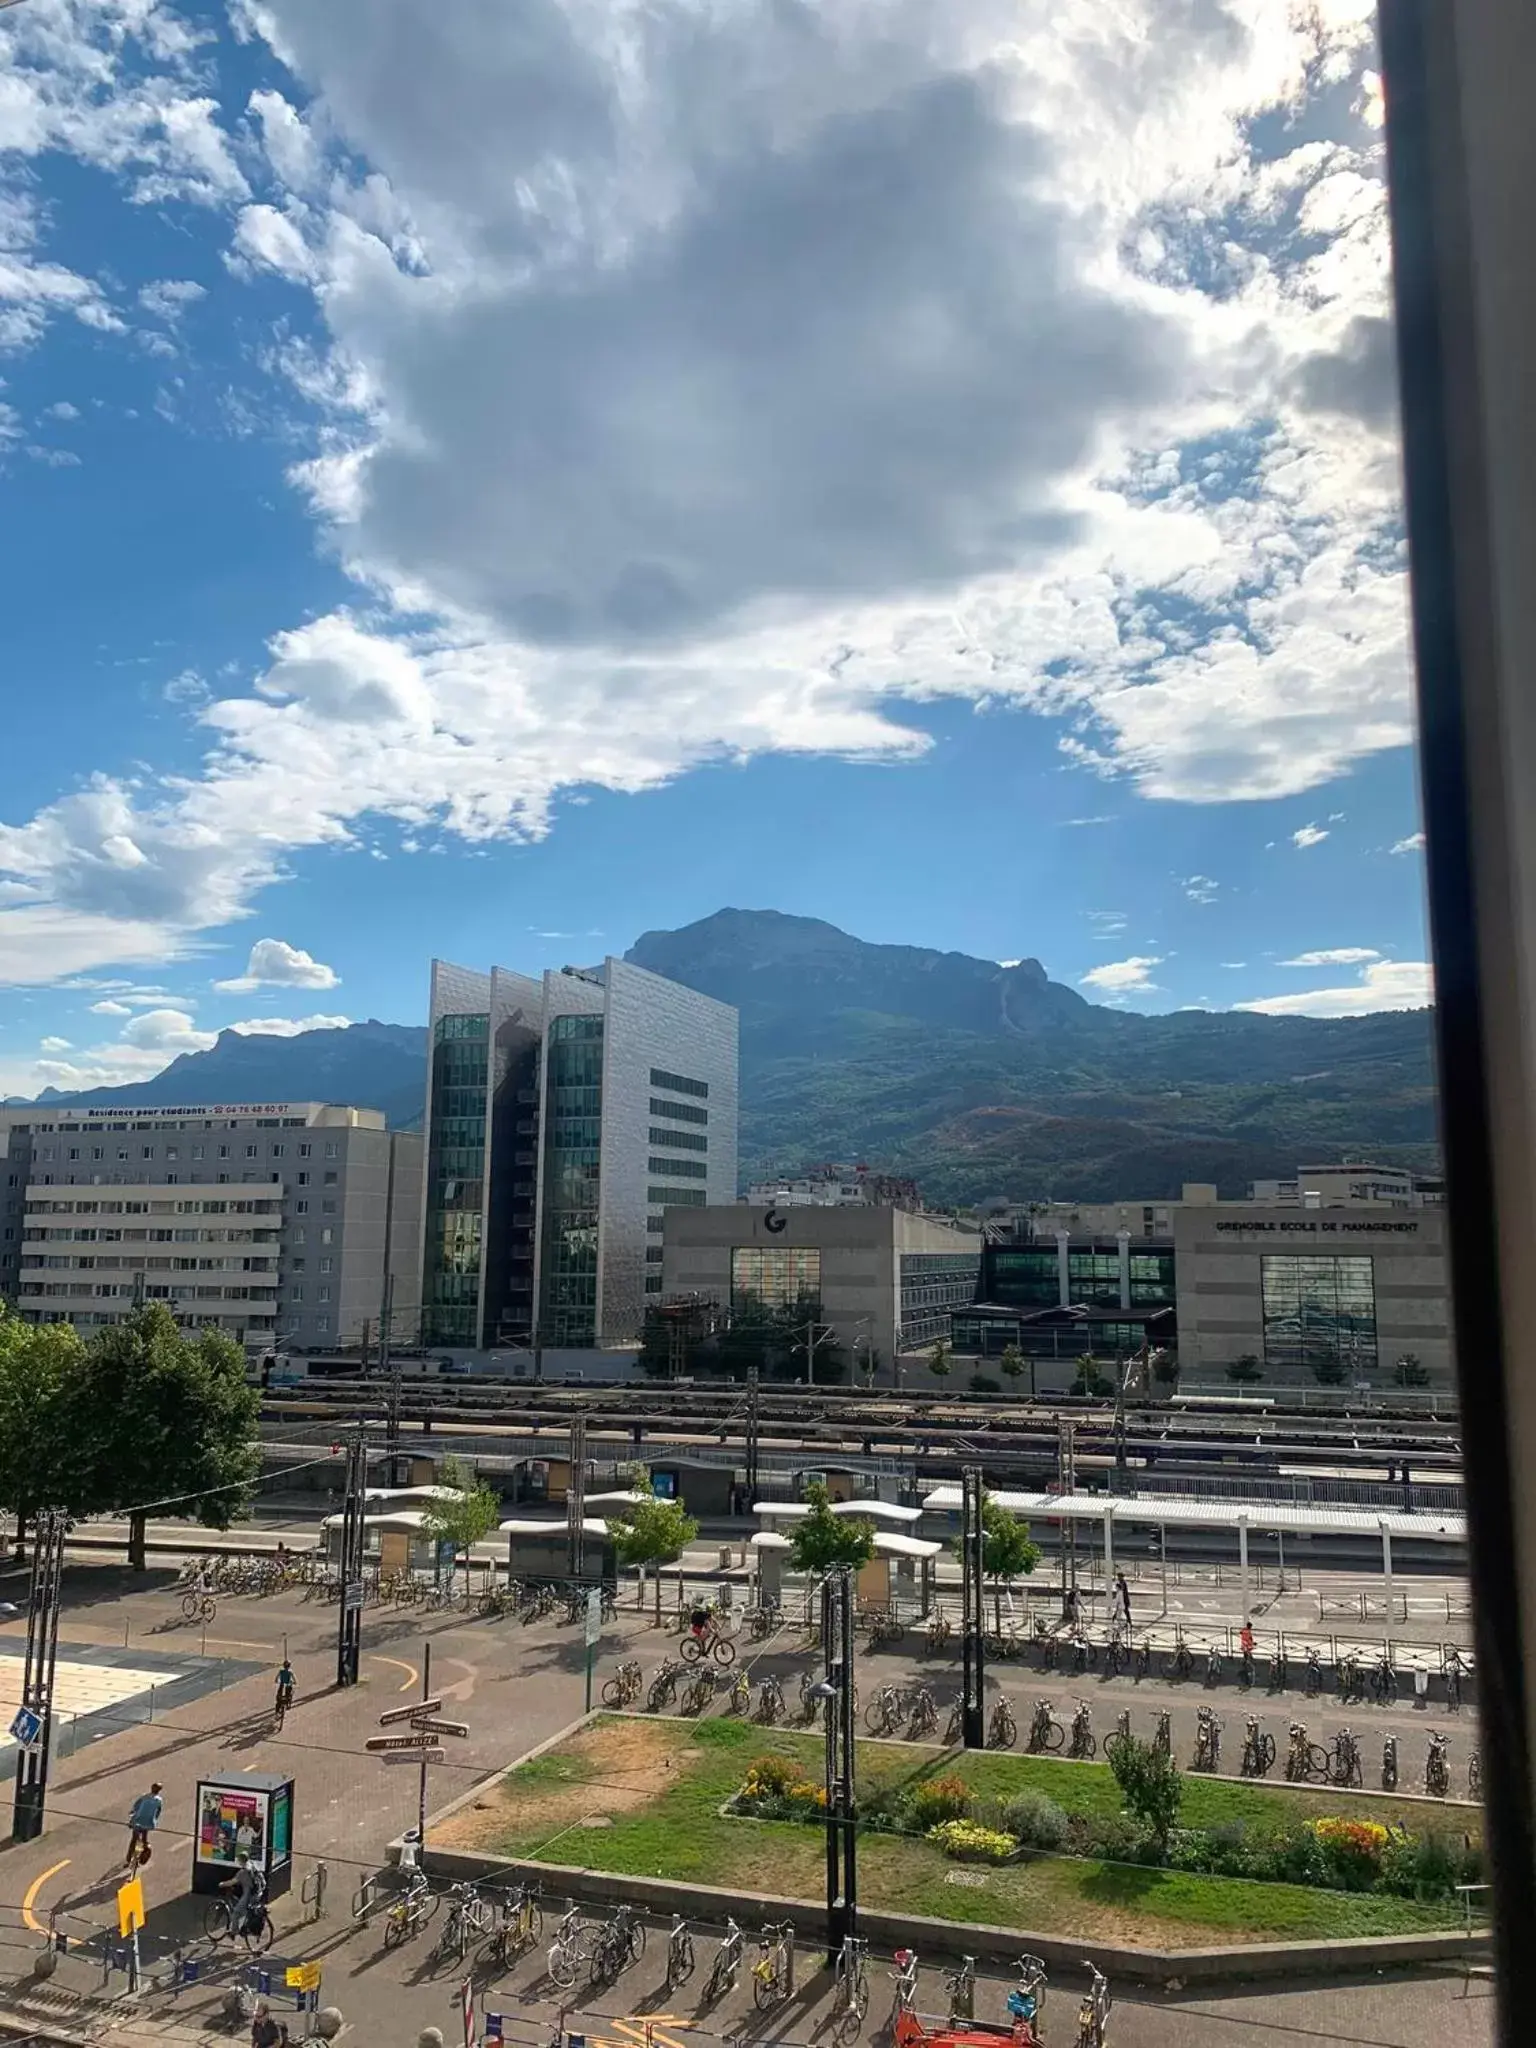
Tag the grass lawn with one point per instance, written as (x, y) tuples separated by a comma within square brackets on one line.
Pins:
[(643, 1796)]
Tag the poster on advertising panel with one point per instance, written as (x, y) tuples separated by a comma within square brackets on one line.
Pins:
[(230, 1820)]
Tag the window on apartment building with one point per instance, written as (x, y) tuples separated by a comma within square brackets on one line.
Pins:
[(325, 1236), (322, 1325), (325, 1265), (327, 1208), (330, 1180), (305, 1150), (303, 1178), (332, 1149), (301, 1208), (251, 1151), (324, 1294), (678, 1083), (277, 1151)]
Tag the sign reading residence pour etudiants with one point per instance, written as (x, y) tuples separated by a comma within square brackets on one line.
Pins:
[(1316, 1225)]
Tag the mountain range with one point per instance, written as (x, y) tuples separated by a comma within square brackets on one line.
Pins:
[(970, 1077)]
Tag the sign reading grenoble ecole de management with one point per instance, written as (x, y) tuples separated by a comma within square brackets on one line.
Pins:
[(1317, 1226)]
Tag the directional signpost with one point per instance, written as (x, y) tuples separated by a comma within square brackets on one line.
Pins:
[(418, 1737)]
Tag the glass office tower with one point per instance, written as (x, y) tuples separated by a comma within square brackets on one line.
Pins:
[(565, 1115)]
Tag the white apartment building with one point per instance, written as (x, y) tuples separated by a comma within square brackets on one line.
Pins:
[(274, 1221)]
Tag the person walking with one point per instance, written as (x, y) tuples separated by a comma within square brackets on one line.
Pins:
[(1123, 1600), (143, 1819)]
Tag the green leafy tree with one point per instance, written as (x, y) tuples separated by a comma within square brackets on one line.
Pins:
[(1149, 1784), (1011, 1364), (821, 1541), (1090, 1380), (940, 1360), (1008, 1552), (1410, 1371), (1165, 1368), (1329, 1372), (1244, 1370), (162, 1420), (39, 1466), (652, 1533), (465, 1521)]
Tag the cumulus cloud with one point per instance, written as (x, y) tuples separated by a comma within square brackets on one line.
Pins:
[(1200, 888), (1414, 843), (1382, 985), (54, 1044), (1309, 835), (275, 964), (1124, 977), (669, 371), (1334, 956), (167, 298), (167, 1031)]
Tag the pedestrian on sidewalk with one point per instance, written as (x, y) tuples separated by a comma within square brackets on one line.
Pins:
[(1123, 1600), (143, 1819)]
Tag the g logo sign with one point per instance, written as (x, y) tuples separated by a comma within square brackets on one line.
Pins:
[(773, 1221)]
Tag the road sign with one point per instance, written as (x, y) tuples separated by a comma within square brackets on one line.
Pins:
[(414, 1756), (594, 1615), (130, 1906), (302, 1976), (352, 1596), (408, 1713), (430, 1727), (417, 1740), (27, 1727)]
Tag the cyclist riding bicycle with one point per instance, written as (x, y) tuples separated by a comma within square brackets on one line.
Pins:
[(249, 1910), (143, 1819), (286, 1684), (701, 1619)]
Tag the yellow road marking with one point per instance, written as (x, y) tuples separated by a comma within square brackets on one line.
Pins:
[(28, 1917), (414, 1677), (647, 2027)]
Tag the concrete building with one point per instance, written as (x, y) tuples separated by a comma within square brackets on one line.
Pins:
[(834, 1187), (884, 1277), (274, 1221), (1294, 1287), (1046, 1222), (1352, 1182), (565, 1116)]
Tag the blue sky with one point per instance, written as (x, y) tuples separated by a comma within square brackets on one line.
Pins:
[(492, 481)]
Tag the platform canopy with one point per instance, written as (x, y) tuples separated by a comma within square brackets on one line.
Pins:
[(590, 1526), (399, 1496), (868, 1510), (1178, 1511)]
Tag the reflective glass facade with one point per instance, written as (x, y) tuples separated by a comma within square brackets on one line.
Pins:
[(455, 1191), (775, 1275), (1319, 1309), (573, 1135), (1151, 1278), (933, 1285), (1023, 1278)]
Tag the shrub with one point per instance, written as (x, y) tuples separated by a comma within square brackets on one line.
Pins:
[(968, 1842), (1351, 1852), (1036, 1821), (767, 1775), (883, 1808), (1117, 1837), (1428, 1866), (1149, 1784), (984, 1383), (939, 1799)]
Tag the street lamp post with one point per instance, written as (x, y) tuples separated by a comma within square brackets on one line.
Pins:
[(836, 1689)]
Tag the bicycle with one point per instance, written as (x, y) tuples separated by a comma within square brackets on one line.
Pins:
[(1305, 1759), (1141, 1661), (570, 1948), (722, 1973), (939, 1629), (885, 1626), (625, 1686), (1207, 1755), (1083, 1744), (619, 1944), (739, 1699), (1312, 1680), (1027, 1999), (469, 1918), (923, 1717), (1455, 1678), (1475, 1775), (694, 1649), (411, 1912), (850, 1979), (1162, 1734), (1245, 1671), (773, 1971), (664, 1686), (280, 1708), (1344, 1760), (1046, 1734), (699, 1692), (196, 1606), (1437, 1767), (885, 1710), (1213, 1665), (1183, 1665), (1258, 1750), (1002, 1729), (904, 1978), (1351, 1685), (1121, 1739), (679, 1953), (1117, 1656), (1050, 1648), (954, 1727), (1389, 1763), (960, 1983), (1093, 2011), (1082, 1652), (522, 1922), (1384, 1682), (762, 1620), (770, 1701), (227, 1920), (1279, 1674)]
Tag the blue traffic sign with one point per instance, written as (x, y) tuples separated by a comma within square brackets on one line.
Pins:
[(27, 1727)]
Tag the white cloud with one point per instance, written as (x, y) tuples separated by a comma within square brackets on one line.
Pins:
[(1383, 985), (1309, 835), (1414, 843), (1234, 964), (167, 1031), (669, 376), (287, 1027), (167, 298), (110, 1007), (1104, 819), (42, 942), (1334, 956), (1200, 888), (54, 1044), (1124, 977), (275, 964), (62, 410)]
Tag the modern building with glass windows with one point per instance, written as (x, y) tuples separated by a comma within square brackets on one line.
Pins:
[(565, 1116), (886, 1278)]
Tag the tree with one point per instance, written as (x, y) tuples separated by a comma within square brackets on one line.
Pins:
[(464, 1521), (1244, 1370), (1011, 1363), (1410, 1371), (1165, 1368), (652, 1532), (939, 1360), (1007, 1550), (38, 1465), (1329, 1371), (1149, 1784), (821, 1541), (162, 1420), (1090, 1380)]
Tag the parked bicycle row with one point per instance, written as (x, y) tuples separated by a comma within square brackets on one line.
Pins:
[(503, 1926)]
